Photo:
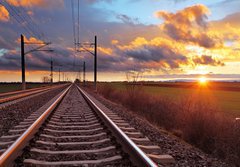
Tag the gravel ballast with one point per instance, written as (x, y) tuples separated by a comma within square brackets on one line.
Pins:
[(13, 114), (184, 153), (73, 110)]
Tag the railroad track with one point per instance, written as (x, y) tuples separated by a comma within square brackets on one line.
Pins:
[(20, 91), (13, 97), (74, 130)]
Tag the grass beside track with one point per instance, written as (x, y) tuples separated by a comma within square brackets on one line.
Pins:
[(225, 95), (201, 114)]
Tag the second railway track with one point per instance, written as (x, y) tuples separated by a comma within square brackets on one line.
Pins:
[(7, 99), (74, 131)]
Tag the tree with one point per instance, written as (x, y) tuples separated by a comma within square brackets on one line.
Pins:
[(133, 86)]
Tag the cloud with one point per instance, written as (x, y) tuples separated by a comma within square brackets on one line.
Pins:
[(228, 28), (4, 14), (95, 1), (36, 3), (127, 20), (188, 25), (30, 40), (230, 20), (158, 50), (207, 60), (122, 47), (35, 61)]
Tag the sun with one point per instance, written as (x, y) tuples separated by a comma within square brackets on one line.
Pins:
[(202, 80)]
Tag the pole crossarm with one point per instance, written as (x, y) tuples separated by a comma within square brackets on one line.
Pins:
[(23, 53), (83, 46), (38, 48), (85, 43), (85, 50)]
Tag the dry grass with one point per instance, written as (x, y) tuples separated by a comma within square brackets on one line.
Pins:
[(197, 122)]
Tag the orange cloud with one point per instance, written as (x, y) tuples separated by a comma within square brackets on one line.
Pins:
[(194, 14), (189, 25), (106, 51), (30, 13), (36, 3), (4, 14), (30, 40), (114, 42)]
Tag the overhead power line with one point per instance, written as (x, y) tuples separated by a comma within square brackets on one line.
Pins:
[(24, 20), (78, 22), (74, 24)]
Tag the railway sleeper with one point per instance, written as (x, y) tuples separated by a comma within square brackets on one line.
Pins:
[(73, 163)]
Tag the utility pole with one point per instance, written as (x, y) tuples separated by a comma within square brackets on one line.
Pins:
[(84, 47), (84, 74), (59, 75), (51, 72), (23, 53), (79, 74), (95, 63), (23, 63)]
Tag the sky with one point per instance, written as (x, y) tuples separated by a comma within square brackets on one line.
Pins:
[(157, 38)]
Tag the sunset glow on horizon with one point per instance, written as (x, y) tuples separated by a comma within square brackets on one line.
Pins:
[(203, 80)]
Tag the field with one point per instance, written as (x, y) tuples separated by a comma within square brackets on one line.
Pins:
[(9, 87), (225, 96), (203, 114)]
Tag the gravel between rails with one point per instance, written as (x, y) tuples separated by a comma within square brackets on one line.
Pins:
[(13, 114), (73, 110), (185, 154)]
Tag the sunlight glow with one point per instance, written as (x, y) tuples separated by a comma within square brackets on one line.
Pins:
[(202, 80)]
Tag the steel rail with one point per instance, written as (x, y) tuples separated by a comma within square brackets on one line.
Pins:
[(15, 149), (20, 95), (135, 153), (25, 91), (21, 91)]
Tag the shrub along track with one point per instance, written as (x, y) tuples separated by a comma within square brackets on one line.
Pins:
[(183, 153), (80, 133)]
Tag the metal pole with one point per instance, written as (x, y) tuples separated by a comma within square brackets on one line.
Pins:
[(23, 63), (95, 64), (79, 74), (84, 73), (51, 72), (59, 75)]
